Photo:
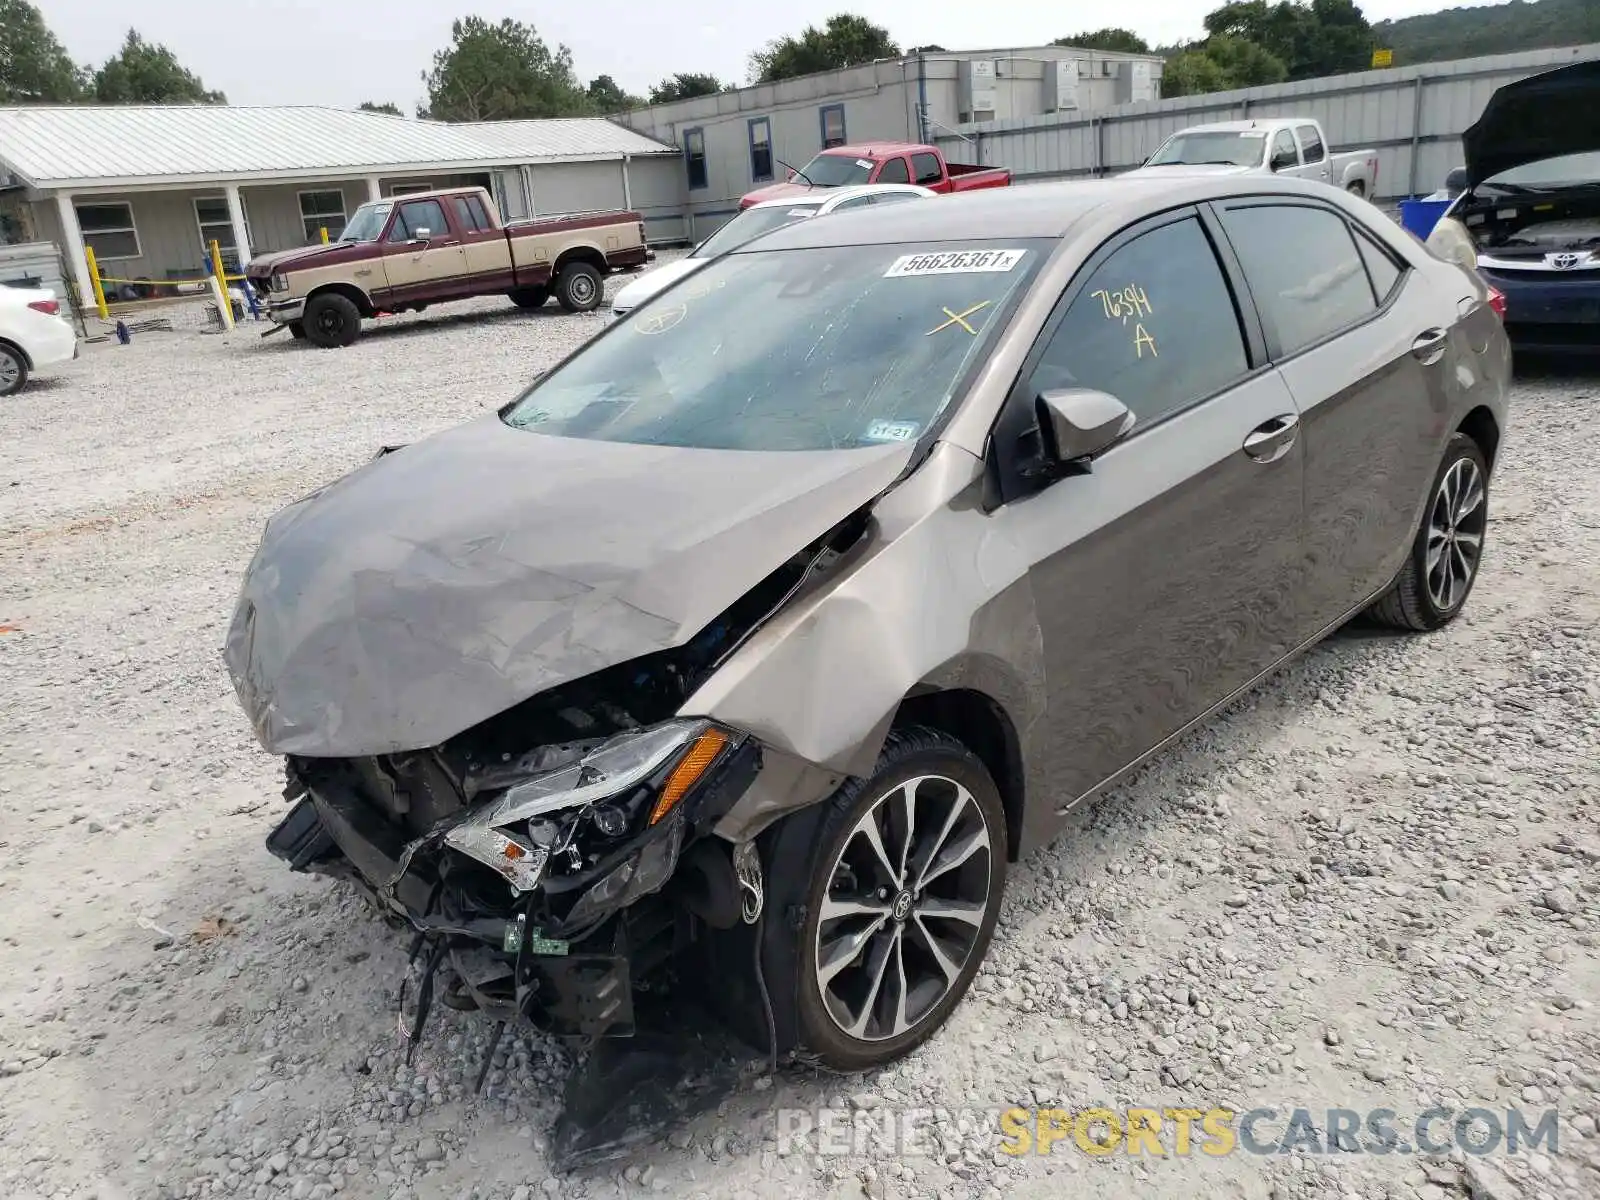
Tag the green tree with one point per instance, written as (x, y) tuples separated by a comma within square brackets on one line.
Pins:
[(1322, 37), (1122, 41), (845, 40), (148, 73), (392, 109), (607, 96), (930, 48), (685, 87), (501, 72), (1221, 64), (1492, 29), (34, 67)]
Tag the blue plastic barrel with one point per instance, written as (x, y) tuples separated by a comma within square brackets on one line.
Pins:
[(1420, 216)]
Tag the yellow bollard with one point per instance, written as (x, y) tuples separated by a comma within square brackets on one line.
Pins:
[(94, 281), (224, 305), (324, 232)]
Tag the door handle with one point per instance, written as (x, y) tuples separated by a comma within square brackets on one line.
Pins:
[(1429, 346), (1271, 440)]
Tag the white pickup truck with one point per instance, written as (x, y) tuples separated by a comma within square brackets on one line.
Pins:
[(1279, 146)]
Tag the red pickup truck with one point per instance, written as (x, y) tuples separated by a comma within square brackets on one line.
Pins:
[(882, 162)]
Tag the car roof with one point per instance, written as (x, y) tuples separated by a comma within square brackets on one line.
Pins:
[(877, 149), (1038, 210), (1246, 126), (834, 196)]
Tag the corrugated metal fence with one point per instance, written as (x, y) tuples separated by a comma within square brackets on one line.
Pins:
[(1413, 117)]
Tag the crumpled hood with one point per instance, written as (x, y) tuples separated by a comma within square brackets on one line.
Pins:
[(444, 583), (1543, 116)]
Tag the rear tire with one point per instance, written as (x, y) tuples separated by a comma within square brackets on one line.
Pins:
[(1438, 575), (13, 370), (531, 297), (886, 951), (578, 288), (1358, 190), (331, 320)]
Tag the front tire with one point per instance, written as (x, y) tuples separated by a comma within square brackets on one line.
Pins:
[(907, 874), (1433, 586), (331, 320), (297, 331), (13, 370), (579, 288)]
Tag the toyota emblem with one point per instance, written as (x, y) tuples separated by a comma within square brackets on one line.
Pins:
[(1564, 262)]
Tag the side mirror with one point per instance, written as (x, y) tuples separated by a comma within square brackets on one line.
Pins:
[(1282, 162), (1081, 423), (422, 234)]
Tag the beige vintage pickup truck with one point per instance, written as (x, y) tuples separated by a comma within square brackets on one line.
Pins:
[(429, 247)]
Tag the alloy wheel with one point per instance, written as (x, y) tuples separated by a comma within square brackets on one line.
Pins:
[(908, 895), (10, 371), (1456, 523)]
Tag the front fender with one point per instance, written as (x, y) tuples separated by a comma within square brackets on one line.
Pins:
[(935, 597)]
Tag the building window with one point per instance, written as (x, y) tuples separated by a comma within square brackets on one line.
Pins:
[(409, 189), (832, 125), (760, 149), (108, 230), (211, 214), (694, 156), (322, 210)]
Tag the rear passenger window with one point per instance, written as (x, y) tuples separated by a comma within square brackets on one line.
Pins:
[(894, 171), (1155, 326), (1311, 144), (1303, 270), (1381, 266)]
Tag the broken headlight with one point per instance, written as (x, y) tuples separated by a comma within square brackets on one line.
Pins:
[(630, 784)]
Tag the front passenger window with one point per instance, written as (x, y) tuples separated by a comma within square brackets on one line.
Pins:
[(1155, 326), (894, 171), (1303, 270)]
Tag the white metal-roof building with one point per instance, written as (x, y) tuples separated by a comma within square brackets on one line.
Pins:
[(149, 187)]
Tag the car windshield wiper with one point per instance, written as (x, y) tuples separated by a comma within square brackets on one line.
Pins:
[(1205, 162)]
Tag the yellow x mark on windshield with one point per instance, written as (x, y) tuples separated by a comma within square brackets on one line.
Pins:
[(958, 319)]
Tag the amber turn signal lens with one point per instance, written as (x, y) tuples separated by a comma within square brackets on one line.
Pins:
[(687, 773)]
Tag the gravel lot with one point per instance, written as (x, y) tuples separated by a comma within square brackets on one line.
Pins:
[(1373, 884)]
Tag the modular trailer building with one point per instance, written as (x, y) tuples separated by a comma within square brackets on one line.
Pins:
[(737, 140)]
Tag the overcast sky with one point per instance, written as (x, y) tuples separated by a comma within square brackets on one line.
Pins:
[(344, 51)]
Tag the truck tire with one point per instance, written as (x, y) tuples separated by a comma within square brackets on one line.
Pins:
[(331, 320), (1357, 189), (578, 288), (297, 330), (530, 297)]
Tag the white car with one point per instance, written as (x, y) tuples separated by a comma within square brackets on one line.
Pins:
[(33, 334), (755, 221)]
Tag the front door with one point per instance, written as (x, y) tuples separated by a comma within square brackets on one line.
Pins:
[(1165, 579), (422, 254), (1362, 344)]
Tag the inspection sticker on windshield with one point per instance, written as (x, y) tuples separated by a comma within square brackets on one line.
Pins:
[(1253, 133), (864, 163), (891, 431), (955, 262)]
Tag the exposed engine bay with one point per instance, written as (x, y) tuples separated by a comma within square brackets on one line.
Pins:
[(1517, 227), (553, 861)]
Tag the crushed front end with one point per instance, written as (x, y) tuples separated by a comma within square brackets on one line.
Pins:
[(543, 887)]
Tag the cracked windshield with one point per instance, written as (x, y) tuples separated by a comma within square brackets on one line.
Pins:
[(825, 349)]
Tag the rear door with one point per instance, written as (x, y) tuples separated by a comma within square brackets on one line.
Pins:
[(485, 251), (422, 253), (1164, 579), (1313, 152), (1364, 345)]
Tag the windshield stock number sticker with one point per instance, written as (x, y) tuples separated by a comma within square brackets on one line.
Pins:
[(956, 262), (891, 431)]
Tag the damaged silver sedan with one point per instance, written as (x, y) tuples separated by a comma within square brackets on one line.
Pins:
[(747, 648)]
